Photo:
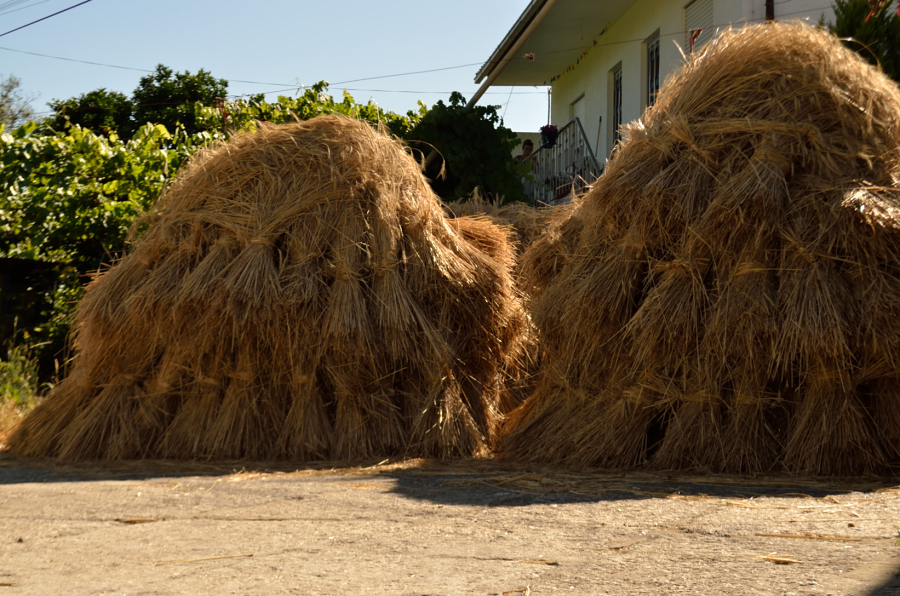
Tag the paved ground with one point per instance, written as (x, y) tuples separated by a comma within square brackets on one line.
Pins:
[(424, 528)]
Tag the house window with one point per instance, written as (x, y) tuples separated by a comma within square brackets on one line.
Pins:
[(576, 109), (698, 16), (652, 71), (617, 105)]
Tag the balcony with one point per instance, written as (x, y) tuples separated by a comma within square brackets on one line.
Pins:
[(564, 169)]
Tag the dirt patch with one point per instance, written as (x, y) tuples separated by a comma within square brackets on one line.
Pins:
[(420, 527)]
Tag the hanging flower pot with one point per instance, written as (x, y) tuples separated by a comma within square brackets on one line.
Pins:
[(548, 135)]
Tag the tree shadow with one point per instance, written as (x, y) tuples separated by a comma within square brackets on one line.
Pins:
[(890, 588), (478, 482), (492, 484)]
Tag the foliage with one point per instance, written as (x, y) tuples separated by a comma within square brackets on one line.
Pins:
[(102, 111), (14, 106), (875, 36), (70, 198), (475, 147), (168, 98), (18, 377), (162, 97), (19, 385), (241, 114)]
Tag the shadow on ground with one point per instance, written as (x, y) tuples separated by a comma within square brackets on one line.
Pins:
[(481, 482), (891, 588)]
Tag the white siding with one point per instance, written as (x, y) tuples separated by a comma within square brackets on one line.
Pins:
[(622, 43), (698, 14), (577, 109)]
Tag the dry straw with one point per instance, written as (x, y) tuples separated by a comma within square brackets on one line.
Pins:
[(728, 295), (527, 224), (298, 294), (526, 221)]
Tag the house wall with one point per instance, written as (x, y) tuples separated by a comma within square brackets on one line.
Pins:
[(624, 43)]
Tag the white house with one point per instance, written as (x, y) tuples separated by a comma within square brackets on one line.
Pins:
[(604, 60)]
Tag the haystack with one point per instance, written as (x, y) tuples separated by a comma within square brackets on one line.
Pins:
[(728, 295), (526, 221), (297, 294)]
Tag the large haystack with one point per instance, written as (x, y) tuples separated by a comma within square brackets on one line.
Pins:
[(526, 221), (298, 294), (728, 295)]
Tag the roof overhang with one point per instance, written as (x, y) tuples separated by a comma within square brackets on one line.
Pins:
[(563, 34)]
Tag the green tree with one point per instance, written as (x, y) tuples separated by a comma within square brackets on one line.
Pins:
[(874, 34), (15, 108), (101, 111), (242, 114), (474, 149), (166, 97)]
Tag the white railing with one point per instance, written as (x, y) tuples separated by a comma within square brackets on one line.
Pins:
[(561, 169)]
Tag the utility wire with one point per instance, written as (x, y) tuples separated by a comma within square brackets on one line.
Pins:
[(402, 74), (74, 60), (237, 97), (405, 74), (45, 18), (293, 87)]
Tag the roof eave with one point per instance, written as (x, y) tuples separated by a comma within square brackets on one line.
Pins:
[(521, 24)]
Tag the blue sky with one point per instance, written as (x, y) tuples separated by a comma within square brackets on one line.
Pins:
[(275, 43)]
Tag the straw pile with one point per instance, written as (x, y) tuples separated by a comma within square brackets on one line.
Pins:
[(298, 294), (728, 295), (527, 222)]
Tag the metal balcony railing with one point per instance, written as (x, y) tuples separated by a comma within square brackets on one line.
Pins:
[(562, 169)]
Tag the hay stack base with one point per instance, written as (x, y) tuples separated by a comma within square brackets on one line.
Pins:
[(297, 294), (727, 297)]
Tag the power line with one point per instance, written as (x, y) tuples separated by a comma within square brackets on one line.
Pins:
[(45, 18), (441, 92), (74, 60), (418, 91), (404, 74), (293, 87)]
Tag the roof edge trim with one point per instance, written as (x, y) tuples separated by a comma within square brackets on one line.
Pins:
[(521, 25)]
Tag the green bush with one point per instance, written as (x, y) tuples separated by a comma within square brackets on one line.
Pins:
[(102, 111), (475, 151), (69, 198), (874, 35), (241, 114)]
